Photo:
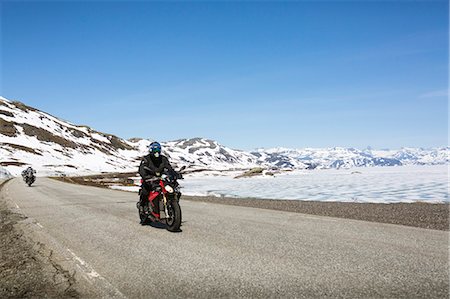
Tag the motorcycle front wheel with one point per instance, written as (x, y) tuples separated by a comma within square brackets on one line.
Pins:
[(174, 218)]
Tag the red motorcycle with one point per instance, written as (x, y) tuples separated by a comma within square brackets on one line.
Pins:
[(166, 199)]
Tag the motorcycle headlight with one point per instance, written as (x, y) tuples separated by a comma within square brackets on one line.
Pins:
[(169, 189)]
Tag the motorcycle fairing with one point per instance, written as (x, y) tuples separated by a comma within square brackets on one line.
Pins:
[(153, 195)]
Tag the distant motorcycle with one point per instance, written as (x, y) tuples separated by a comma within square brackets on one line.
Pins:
[(167, 196), (28, 176)]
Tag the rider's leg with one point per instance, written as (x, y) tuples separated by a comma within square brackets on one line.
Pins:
[(144, 195)]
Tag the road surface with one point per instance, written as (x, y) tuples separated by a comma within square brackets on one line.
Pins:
[(227, 251)]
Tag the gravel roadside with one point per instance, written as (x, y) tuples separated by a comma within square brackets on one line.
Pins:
[(27, 270), (418, 214)]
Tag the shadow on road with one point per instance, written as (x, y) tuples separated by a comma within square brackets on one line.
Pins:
[(158, 225)]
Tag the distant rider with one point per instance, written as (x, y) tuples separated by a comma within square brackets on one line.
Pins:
[(29, 172), (153, 165)]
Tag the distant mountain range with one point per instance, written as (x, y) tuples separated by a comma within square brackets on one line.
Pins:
[(53, 146), (339, 157)]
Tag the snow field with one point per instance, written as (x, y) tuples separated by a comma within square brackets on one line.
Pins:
[(374, 184)]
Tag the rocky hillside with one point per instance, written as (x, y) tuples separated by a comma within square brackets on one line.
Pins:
[(208, 154), (54, 146), (32, 137)]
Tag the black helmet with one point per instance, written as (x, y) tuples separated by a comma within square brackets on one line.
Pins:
[(155, 149)]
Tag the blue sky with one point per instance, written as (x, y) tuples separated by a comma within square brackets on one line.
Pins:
[(247, 74)]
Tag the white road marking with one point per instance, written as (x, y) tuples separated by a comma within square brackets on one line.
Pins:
[(91, 275)]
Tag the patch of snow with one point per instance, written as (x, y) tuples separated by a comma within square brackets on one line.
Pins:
[(4, 174), (378, 185), (375, 185), (126, 188)]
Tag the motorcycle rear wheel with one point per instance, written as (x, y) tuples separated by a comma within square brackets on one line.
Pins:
[(173, 221)]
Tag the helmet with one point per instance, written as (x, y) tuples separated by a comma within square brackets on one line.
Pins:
[(155, 149)]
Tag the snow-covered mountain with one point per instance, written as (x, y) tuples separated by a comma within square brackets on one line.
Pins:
[(32, 137), (208, 154), (339, 157), (54, 146)]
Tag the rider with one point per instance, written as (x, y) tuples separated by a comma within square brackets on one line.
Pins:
[(29, 172), (153, 165)]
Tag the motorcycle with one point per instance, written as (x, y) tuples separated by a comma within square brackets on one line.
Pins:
[(167, 196), (29, 178)]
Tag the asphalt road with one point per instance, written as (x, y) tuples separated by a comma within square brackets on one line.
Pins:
[(227, 251)]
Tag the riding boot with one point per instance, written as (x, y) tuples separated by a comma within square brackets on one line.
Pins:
[(143, 200)]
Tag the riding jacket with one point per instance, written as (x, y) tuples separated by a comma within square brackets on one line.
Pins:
[(152, 166)]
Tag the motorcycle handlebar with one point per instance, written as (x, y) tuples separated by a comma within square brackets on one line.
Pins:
[(153, 179)]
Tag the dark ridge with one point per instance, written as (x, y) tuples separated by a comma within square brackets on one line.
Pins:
[(7, 128), (117, 143), (100, 146), (227, 156), (7, 113), (44, 135), (193, 150), (77, 133), (12, 163), (21, 148), (135, 139), (23, 107), (67, 165), (189, 142)]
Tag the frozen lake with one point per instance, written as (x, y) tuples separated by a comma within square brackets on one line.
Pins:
[(372, 184)]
